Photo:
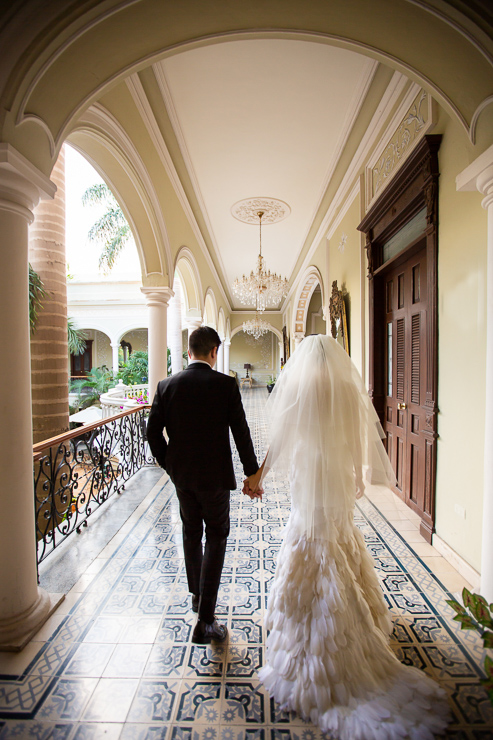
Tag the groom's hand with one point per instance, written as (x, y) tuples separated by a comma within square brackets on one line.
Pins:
[(251, 487)]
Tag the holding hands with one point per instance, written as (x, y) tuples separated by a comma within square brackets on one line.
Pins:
[(251, 485)]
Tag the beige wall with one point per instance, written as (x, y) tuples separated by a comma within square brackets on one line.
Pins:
[(138, 339), (262, 354), (462, 340), (314, 322), (345, 266)]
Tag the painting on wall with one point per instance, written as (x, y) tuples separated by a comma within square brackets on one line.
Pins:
[(338, 318), (285, 344)]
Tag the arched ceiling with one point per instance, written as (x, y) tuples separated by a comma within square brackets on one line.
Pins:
[(228, 101)]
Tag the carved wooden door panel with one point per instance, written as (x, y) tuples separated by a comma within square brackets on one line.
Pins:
[(406, 367)]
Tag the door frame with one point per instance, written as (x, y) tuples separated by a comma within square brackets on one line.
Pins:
[(414, 187)]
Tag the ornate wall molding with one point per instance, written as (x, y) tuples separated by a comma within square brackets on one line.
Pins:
[(418, 120), (247, 210)]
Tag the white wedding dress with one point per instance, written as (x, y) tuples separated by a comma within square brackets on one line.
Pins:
[(327, 655)]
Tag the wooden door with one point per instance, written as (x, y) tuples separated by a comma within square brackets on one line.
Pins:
[(406, 306)]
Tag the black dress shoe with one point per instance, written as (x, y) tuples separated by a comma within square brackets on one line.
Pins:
[(195, 603), (204, 633)]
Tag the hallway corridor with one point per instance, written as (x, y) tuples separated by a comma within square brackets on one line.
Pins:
[(116, 660)]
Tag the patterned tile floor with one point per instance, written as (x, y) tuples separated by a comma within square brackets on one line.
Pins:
[(116, 660)]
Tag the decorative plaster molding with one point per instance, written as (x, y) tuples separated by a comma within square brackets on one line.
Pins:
[(140, 99), (474, 120), (100, 123), (342, 244), (340, 203), (158, 296), (246, 210), (418, 120), (12, 161), (467, 180)]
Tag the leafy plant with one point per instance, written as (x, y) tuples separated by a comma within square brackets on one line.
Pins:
[(477, 615), (76, 338), (136, 370), (98, 380), (111, 230), (37, 293)]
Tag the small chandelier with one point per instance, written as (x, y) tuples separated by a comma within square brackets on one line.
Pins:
[(256, 327), (260, 287)]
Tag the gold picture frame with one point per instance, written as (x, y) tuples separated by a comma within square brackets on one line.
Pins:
[(338, 319)]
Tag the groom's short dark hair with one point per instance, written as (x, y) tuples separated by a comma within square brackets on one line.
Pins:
[(203, 340)]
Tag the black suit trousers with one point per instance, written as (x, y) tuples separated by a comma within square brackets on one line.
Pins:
[(204, 567)]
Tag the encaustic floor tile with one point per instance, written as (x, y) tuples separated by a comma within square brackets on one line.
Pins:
[(119, 662)]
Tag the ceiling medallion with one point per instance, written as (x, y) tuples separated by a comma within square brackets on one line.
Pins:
[(273, 210)]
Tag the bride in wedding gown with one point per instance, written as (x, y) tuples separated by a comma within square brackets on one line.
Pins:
[(328, 655)]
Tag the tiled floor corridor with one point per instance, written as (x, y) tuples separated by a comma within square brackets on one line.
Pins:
[(116, 660)]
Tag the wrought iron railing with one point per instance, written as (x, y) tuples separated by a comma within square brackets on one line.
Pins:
[(75, 473)]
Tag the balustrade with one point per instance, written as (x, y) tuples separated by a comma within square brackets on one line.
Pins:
[(75, 473)]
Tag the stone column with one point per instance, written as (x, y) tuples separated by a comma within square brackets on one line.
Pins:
[(281, 350), (220, 357), (49, 348), (227, 345), (174, 329), (479, 175), (115, 351), (24, 607), (157, 302), (298, 338), (193, 323)]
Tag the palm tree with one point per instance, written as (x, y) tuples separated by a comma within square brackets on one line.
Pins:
[(111, 230), (37, 293), (76, 338)]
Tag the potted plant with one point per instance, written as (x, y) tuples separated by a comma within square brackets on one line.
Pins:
[(271, 381)]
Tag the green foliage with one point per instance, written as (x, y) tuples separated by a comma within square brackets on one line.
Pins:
[(271, 379), (477, 615), (98, 380), (37, 293), (111, 231), (76, 338), (136, 370)]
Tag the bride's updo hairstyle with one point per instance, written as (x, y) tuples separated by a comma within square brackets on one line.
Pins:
[(323, 427)]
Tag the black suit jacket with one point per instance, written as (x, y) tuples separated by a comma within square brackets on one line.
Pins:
[(198, 407)]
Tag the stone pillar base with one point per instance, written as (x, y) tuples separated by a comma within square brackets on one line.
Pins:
[(17, 631)]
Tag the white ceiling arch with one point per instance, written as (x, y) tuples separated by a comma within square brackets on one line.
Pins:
[(187, 268), (121, 156), (210, 309), (306, 287), (271, 328)]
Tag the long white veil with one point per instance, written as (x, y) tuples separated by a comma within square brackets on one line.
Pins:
[(323, 428)]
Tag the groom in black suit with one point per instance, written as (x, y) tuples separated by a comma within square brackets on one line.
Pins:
[(198, 407)]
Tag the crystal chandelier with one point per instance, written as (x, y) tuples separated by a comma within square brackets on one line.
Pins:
[(261, 288), (256, 327)]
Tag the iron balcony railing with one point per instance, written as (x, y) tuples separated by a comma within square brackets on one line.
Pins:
[(75, 473)]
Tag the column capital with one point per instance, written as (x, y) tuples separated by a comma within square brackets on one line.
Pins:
[(227, 341), (22, 185), (193, 322), (478, 176), (298, 336), (158, 296)]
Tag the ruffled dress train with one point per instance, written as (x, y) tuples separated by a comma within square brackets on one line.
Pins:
[(327, 655)]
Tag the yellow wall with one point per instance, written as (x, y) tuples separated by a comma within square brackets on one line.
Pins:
[(345, 265), (462, 340), (138, 339), (315, 323), (262, 354)]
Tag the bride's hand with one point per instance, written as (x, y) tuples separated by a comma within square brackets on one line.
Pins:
[(360, 486)]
